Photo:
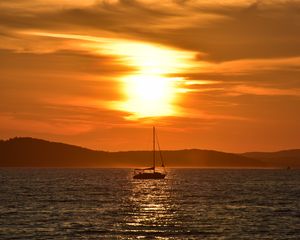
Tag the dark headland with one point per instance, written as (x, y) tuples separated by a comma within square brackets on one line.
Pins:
[(30, 152)]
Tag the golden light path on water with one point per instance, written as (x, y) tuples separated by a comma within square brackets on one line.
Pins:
[(152, 208)]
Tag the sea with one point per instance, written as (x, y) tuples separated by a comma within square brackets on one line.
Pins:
[(188, 204)]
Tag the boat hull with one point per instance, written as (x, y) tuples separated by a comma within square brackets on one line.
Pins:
[(155, 175)]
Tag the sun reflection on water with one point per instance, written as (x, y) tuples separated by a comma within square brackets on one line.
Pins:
[(153, 213)]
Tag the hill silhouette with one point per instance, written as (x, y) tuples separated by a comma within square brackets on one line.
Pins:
[(30, 152), (278, 159)]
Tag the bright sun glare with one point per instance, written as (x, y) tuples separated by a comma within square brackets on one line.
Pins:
[(150, 91), (149, 95)]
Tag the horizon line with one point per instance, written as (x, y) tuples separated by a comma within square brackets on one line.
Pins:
[(143, 150)]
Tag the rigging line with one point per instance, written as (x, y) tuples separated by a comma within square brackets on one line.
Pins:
[(160, 154)]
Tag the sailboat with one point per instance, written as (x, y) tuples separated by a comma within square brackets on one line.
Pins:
[(151, 173)]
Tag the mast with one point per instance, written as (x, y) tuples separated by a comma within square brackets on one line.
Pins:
[(153, 148)]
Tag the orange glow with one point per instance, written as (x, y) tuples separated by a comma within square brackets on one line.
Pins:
[(149, 95), (220, 75), (150, 91)]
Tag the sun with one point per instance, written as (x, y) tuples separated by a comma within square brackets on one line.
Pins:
[(150, 90), (149, 95)]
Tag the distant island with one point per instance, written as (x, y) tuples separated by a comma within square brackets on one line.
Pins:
[(31, 152)]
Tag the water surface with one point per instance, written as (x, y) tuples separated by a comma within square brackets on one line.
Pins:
[(109, 204)]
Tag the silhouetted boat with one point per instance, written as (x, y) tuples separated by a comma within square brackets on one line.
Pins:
[(151, 173)]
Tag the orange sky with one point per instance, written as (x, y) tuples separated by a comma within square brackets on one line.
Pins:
[(221, 75)]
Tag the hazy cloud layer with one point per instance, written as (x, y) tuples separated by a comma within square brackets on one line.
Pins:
[(57, 77)]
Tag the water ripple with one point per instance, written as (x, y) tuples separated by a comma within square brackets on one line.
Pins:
[(109, 204)]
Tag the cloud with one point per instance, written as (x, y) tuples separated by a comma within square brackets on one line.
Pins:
[(236, 30), (246, 66), (252, 90), (58, 71), (33, 126)]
